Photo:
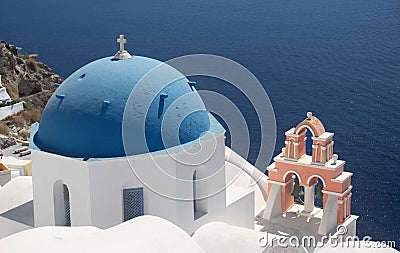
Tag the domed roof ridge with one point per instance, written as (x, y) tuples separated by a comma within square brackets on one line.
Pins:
[(83, 118)]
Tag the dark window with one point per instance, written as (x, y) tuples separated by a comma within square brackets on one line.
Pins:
[(133, 203)]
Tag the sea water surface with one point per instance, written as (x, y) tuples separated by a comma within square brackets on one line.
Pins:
[(339, 59)]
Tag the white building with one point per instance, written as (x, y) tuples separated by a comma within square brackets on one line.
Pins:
[(8, 110), (141, 107)]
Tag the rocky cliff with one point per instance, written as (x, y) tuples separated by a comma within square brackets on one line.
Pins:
[(25, 78), (28, 80)]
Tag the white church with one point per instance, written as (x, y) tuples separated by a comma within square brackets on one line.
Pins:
[(126, 157), (82, 176)]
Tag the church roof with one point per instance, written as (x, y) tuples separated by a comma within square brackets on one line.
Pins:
[(86, 115), (141, 234)]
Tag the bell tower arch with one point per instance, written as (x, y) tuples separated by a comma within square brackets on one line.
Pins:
[(321, 174)]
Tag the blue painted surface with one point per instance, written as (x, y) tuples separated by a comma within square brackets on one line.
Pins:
[(86, 122), (60, 96), (34, 129), (161, 104), (215, 129), (133, 203)]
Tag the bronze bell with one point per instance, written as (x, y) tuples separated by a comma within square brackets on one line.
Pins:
[(297, 190), (319, 194)]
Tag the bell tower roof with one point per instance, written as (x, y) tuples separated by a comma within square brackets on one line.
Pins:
[(313, 123)]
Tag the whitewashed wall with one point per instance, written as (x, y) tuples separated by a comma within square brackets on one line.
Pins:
[(11, 110), (96, 188), (47, 169), (5, 177)]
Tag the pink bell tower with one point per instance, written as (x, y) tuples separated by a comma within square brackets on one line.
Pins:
[(321, 165)]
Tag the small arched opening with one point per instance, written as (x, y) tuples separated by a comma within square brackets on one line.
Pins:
[(200, 206), (309, 142), (298, 189), (317, 185), (62, 207), (309, 133), (318, 195), (195, 203)]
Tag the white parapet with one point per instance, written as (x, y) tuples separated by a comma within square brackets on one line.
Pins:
[(11, 110)]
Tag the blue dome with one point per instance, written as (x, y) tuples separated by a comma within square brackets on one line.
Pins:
[(83, 118)]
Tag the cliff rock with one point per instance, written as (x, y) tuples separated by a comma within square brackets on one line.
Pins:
[(25, 78)]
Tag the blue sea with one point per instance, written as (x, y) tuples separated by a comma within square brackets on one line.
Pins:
[(339, 59)]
